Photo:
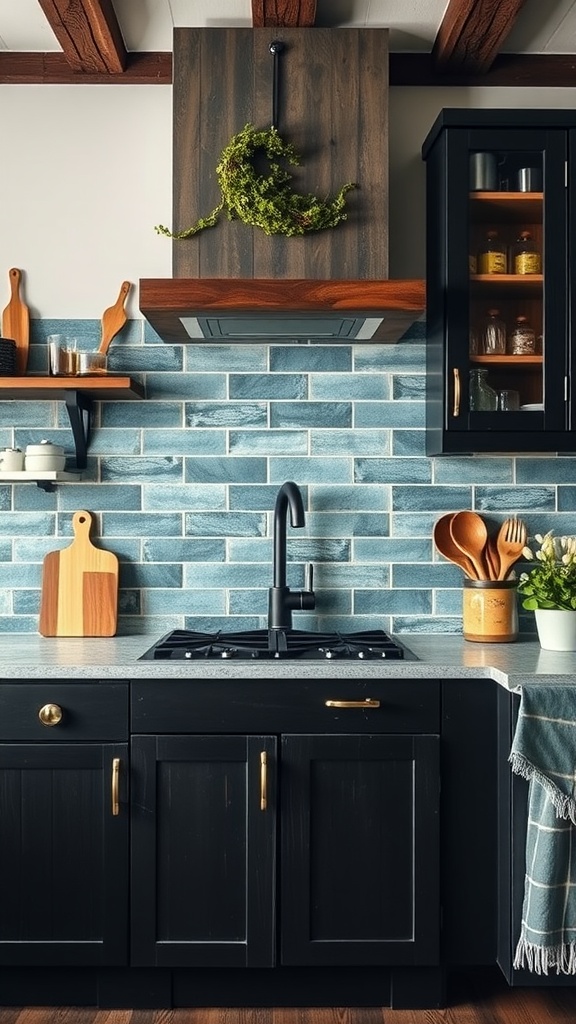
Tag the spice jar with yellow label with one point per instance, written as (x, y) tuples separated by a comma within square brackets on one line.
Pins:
[(492, 256), (526, 258)]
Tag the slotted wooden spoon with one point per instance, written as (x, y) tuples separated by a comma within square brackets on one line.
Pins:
[(114, 318)]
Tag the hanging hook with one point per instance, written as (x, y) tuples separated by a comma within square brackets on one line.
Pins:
[(276, 48)]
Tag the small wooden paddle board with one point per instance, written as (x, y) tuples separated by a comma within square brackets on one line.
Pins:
[(79, 587), (16, 322), (114, 318)]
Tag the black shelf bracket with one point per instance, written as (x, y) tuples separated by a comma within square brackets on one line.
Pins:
[(79, 409)]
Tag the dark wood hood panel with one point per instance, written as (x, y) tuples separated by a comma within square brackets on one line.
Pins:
[(163, 301), (333, 107)]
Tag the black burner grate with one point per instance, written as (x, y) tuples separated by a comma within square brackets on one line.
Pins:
[(274, 643)]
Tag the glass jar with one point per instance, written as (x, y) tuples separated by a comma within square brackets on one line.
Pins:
[(522, 341), (494, 334), (483, 398), (525, 256), (492, 256)]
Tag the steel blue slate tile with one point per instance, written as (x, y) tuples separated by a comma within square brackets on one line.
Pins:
[(141, 414), (226, 414), (28, 415), (311, 470), (427, 575), (256, 549), (349, 442), (391, 549), (409, 386), (349, 387), (260, 497), (311, 414), (226, 358), (145, 359), (185, 602), (408, 442), (389, 414), (115, 442), (430, 498), (348, 524), (431, 624), (142, 470), (168, 574), (225, 470), (19, 624), (410, 358), (351, 498), (27, 524), (546, 470), (392, 602), (349, 576), (186, 386), (176, 549), (183, 442), (268, 442), (183, 497), (113, 498), (310, 358), (230, 524), (269, 386), (5, 550), (141, 524), (474, 470), (515, 499), (448, 602), (370, 471)]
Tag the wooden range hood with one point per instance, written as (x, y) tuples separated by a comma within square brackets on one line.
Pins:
[(184, 310), (235, 283)]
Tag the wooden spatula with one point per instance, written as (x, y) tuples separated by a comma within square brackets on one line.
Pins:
[(16, 322), (114, 318)]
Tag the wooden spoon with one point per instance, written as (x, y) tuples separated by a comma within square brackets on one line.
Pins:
[(469, 533), (446, 546), (114, 318)]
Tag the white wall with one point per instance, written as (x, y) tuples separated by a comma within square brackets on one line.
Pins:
[(87, 173)]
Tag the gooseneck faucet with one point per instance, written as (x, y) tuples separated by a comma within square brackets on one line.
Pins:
[(281, 600)]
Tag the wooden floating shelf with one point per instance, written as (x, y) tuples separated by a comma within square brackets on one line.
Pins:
[(103, 387)]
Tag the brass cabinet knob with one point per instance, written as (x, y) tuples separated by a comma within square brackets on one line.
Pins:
[(50, 714)]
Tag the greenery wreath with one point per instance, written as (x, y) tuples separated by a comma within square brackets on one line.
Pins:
[(266, 201)]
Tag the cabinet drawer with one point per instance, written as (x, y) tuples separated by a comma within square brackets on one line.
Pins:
[(282, 706), (89, 711)]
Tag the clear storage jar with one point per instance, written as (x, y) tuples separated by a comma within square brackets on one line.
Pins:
[(483, 398)]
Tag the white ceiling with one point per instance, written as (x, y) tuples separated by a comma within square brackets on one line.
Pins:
[(543, 26)]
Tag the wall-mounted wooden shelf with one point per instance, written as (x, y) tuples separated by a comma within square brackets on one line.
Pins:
[(78, 393)]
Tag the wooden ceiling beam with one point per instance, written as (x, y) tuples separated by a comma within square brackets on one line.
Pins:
[(471, 34), (283, 13), (54, 69), (89, 34)]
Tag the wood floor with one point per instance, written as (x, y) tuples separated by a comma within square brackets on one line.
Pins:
[(484, 999)]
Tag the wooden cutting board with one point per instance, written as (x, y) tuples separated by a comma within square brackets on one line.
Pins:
[(16, 322), (79, 587)]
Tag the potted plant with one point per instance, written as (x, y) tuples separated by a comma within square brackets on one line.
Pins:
[(549, 590)]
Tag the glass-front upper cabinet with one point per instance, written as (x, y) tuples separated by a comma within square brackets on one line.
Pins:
[(499, 281)]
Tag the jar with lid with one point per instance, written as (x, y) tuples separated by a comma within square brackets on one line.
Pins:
[(483, 398), (522, 341), (492, 256), (526, 258), (493, 338)]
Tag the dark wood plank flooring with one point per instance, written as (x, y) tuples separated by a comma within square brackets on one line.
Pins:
[(482, 998)]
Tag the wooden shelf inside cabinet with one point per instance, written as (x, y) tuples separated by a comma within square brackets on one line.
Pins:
[(516, 361), (78, 393), (518, 207)]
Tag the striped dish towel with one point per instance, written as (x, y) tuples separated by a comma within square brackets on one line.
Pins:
[(544, 752)]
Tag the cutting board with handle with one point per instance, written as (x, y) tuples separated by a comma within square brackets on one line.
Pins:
[(16, 322), (79, 587)]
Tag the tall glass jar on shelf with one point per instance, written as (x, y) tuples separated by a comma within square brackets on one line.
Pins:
[(483, 398)]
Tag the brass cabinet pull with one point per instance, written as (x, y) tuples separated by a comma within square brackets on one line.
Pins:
[(369, 702), (50, 714), (263, 780), (456, 409), (115, 786)]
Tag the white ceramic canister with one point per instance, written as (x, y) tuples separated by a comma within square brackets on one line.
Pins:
[(44, 456), (11, 460)]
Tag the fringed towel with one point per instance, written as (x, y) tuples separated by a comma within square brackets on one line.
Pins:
[(544, 752)]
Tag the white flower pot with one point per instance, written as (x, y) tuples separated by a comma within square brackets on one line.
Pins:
[(556, 629)]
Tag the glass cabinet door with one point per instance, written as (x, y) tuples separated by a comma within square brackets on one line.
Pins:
[(504, 280)]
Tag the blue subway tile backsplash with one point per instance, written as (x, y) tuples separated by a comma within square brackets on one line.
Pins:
[(182, 486)]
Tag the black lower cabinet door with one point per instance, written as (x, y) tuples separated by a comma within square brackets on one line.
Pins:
[(63, 854), (203, 851), (359, 842)]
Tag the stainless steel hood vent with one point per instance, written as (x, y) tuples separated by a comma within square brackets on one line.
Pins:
[(285, 310)]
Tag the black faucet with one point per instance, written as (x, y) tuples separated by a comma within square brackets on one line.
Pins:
[(281, 600)]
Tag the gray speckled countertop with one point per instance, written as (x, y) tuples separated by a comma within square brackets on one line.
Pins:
[(437, 656)]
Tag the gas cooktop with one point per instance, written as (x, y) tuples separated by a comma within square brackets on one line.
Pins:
[(275, 643)]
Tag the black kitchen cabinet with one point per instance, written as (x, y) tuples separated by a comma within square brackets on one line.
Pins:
[(64, 824), (281, 848), (494, 177)]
